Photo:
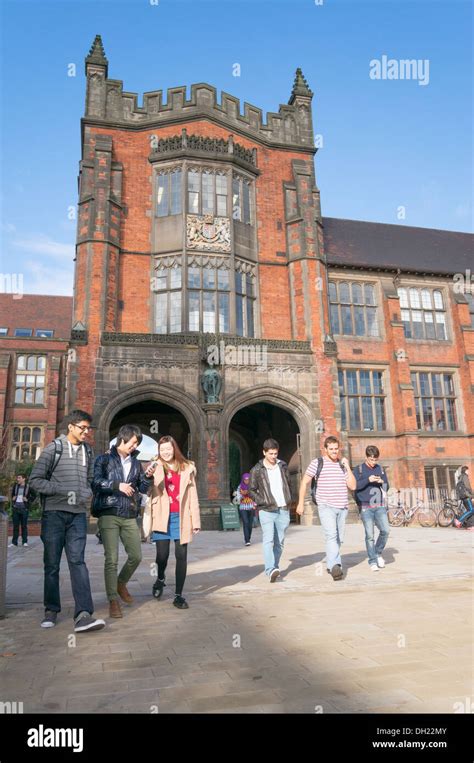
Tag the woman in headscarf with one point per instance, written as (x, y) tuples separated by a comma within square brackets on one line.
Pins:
[(246, 507)]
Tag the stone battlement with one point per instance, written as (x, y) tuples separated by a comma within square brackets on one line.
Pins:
[(107, 101)]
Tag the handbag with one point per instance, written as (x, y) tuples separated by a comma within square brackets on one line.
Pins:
[(147, 521)]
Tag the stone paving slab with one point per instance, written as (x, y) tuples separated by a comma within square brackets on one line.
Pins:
[(395, 641)]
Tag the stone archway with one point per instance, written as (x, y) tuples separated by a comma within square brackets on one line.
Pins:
[(295, 407), (143, 404)]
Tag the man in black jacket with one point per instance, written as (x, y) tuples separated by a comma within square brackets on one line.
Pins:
[(21, 500), (270, 489), (118, 481)]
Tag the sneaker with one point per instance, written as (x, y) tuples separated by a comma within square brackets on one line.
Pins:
[(274, 575), (86, 622), (337, 572), (180, 603), (374, 567), (49, 619), (380, 562), (158, 586), (25, 545), (13, 545), (248, 543)]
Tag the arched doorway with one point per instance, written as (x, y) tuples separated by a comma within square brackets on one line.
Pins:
[(155, 419), (250, 427)]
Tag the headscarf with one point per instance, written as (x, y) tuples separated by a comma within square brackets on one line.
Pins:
[(244, 485)]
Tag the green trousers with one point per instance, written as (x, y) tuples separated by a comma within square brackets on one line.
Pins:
[(111, 529)]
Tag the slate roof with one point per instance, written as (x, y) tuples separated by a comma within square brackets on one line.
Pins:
[(355, 243)]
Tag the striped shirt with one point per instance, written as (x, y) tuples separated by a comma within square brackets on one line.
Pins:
[(332, 483)]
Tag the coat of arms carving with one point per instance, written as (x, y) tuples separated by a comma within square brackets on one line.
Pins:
[(206, 232)]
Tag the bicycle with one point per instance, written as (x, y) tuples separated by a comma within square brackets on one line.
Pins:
[(403, 515), (451, 510)]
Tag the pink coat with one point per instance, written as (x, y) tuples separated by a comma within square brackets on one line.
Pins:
[(189, 516)]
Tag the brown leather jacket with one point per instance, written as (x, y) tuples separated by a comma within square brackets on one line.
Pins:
[(259, 486)]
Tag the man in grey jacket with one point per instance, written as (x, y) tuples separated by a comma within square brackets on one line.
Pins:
[(62, 476)]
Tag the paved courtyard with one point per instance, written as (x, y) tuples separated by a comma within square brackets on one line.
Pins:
[(395, 641)]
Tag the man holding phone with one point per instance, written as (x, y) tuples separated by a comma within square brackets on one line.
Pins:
[(372, 486), (118, 481)]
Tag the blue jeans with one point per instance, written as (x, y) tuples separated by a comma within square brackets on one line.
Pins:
[(65, 530), (274, 524), (370, 517), (333, 522), (470, 510), (246, 516)]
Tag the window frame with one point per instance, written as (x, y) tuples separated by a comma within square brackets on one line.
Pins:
[(420, 396), (346, 395), (345, 308), (411, 326)]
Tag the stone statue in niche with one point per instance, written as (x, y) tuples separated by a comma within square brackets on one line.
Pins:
[(211, 383)]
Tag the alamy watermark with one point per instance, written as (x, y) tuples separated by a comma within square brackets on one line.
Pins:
[(223, 354), (404, 68)]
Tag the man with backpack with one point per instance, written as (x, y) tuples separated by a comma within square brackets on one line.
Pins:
[(22, 498), (330, 476), (62, 476), (370, 495), (465, 494)]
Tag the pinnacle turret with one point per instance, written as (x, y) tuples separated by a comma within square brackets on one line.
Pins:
[(300, 87), (97, 53)]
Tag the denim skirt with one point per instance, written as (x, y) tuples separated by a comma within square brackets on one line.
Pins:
[(173, 529)]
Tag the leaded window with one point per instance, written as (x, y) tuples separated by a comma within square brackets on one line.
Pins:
[(241, 204), (207, 192), (209, 296), (26, 443), (167, 285), (30, 379), (435, 401), (353, 308), (362, 396), (423, 313), (169, 188)]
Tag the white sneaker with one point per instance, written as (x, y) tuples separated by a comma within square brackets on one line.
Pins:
[(374, 568), (380, 562), (25, 545), (12, 545)]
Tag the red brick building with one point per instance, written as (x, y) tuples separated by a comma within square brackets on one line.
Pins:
[(34, 338), (213, 302)]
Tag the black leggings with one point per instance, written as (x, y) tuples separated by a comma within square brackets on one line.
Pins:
[(181, 556)]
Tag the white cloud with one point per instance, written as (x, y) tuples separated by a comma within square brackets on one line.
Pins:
[(41, 244), (8, 228), (41, 279)]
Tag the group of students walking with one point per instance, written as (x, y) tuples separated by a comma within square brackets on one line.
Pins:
[(67, 477)]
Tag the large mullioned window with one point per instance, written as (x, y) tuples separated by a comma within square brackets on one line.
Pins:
[(30, 379), (362, 397), (435, 401), (423, 313), (353, 308)]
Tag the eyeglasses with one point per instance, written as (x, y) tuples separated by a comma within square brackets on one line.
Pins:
[(83, 429)]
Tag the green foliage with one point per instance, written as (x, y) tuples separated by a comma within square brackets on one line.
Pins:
[(7, 480)]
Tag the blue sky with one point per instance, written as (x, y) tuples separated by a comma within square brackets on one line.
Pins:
[(386, 143)]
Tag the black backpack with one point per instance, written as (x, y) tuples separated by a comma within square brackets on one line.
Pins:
[(314, 481), (461, 491), (58, 451)]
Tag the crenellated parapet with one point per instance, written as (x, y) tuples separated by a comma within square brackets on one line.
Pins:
[(107, 102)]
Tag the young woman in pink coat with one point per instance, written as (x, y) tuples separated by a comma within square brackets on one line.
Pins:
[(173, 514)]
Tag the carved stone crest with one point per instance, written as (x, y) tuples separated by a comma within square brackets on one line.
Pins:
[(206, 232)]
